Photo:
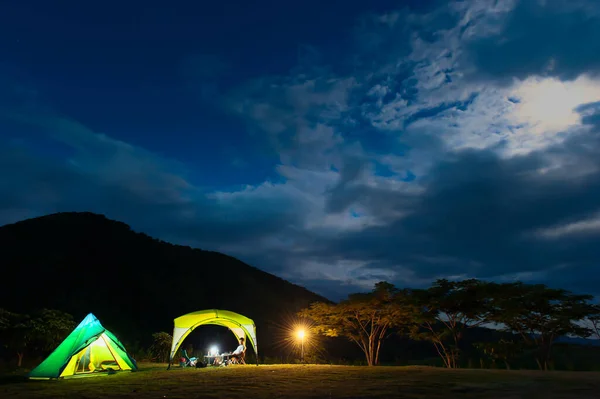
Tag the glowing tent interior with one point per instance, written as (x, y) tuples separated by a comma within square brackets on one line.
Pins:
[(90, 348), (240, 326)]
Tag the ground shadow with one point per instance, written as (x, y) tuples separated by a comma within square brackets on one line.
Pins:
[(12, 379)]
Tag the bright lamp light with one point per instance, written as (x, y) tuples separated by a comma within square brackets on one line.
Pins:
[(301, 334), (214, 350)]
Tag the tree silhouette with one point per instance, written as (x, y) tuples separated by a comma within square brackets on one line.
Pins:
[(365, 319), (50, 327), (15, 333), (447, 308), (592, 321), (41, 333), (161, 346), (540, 315)]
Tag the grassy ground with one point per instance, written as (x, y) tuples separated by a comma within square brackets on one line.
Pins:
[(153, 381)]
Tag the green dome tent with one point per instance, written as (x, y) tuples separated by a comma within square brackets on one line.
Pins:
[(239, 325), (90, 348)]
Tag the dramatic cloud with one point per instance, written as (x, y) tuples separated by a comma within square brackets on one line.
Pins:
[(559, 38), (128, 183), (459, 140), (487, 216)]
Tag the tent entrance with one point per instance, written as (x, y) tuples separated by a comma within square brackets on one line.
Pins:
[(240, 326), (97, 357)]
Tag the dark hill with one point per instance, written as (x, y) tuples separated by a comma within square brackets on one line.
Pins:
[(136, 285)]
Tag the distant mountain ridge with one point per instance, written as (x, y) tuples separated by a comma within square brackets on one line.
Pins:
[(136, 285), (579, 341)]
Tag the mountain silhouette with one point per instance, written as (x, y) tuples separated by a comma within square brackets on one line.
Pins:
[(135, 284)]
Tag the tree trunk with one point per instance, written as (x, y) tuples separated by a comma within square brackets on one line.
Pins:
[(20, 359), (441, 350), (455, 357), (372, 352), (377, 351), (368, 355), (364, 346), (544, 358), (548, 354), (456, 351), (537, 360)]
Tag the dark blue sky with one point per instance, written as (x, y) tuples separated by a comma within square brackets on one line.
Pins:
[(137, 71), (332, 143)]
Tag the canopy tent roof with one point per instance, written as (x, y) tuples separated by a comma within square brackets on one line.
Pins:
[(89, 348), (241, 326)]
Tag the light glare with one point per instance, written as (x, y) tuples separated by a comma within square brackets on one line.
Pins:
[(548, 104)]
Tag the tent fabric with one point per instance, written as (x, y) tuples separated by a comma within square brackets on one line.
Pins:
[(89, 348), (240, 326)]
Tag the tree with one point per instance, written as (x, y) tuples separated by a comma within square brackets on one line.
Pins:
[(43, 332), (447, 309), (592, 321), (15, 333), (365, 319), (4, 319), (540, 315), (50, 327), (161, 346)]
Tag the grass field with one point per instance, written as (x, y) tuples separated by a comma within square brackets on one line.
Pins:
[(153, 381)]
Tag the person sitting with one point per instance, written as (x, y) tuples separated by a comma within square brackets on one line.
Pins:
[(238, 354)]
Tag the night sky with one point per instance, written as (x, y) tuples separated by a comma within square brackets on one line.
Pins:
[(332, 143)]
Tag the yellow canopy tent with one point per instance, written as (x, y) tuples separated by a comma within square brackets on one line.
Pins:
[(240, 326)]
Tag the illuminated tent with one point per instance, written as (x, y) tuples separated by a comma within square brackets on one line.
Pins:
[(90, 348), (240, 326)]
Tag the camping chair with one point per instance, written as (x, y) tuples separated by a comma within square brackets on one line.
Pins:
[(189, 362), (241, 360)]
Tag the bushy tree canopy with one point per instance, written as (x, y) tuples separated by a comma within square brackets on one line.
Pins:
[(365, 319)]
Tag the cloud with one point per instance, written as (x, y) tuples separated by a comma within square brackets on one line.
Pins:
[(433, 90), (128, 183), (486, 216), (297, 113), (558, 38), (494, 177), (584, 227), (453, 142)]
